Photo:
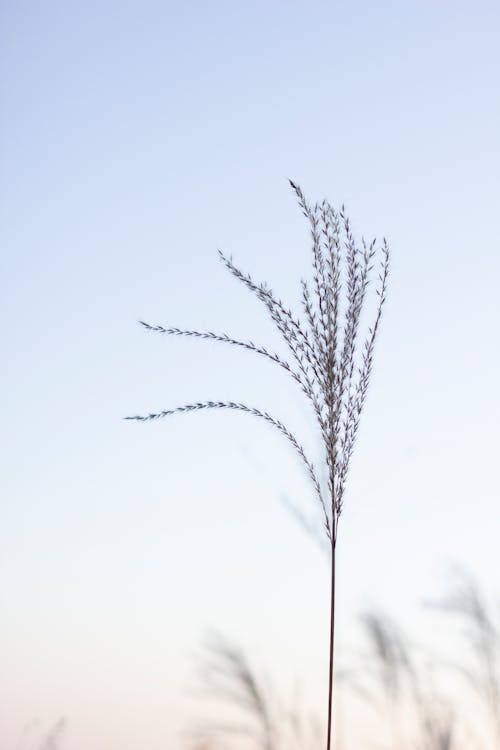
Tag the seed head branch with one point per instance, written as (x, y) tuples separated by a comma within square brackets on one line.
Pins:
[(357, 399), (236, 406), (249, 345), (319, 269), (294, 335)]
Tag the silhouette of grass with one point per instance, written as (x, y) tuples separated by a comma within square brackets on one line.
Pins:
[(54, 735), (259, 716), (482, 633), (401, 680), (331, 360)]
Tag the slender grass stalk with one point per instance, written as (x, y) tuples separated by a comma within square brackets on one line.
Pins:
[(328, 362), (332, 644)]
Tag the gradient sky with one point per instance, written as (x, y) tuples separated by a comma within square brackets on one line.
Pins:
[(136, 140)]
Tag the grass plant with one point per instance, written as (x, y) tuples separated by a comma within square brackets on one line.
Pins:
[(467, 602), (406, 687), (54, 736), (260, 717), (330, 358)]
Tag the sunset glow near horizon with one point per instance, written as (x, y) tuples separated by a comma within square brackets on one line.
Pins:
[(137, 139)]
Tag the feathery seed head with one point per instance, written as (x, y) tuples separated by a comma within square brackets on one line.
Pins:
[(331, 358)]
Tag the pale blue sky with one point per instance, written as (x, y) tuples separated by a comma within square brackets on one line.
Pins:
[(136, 139)]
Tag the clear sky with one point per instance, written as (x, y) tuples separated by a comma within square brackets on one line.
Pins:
[(136, 140)]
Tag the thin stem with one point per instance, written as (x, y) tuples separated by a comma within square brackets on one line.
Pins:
[(332, 640)]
